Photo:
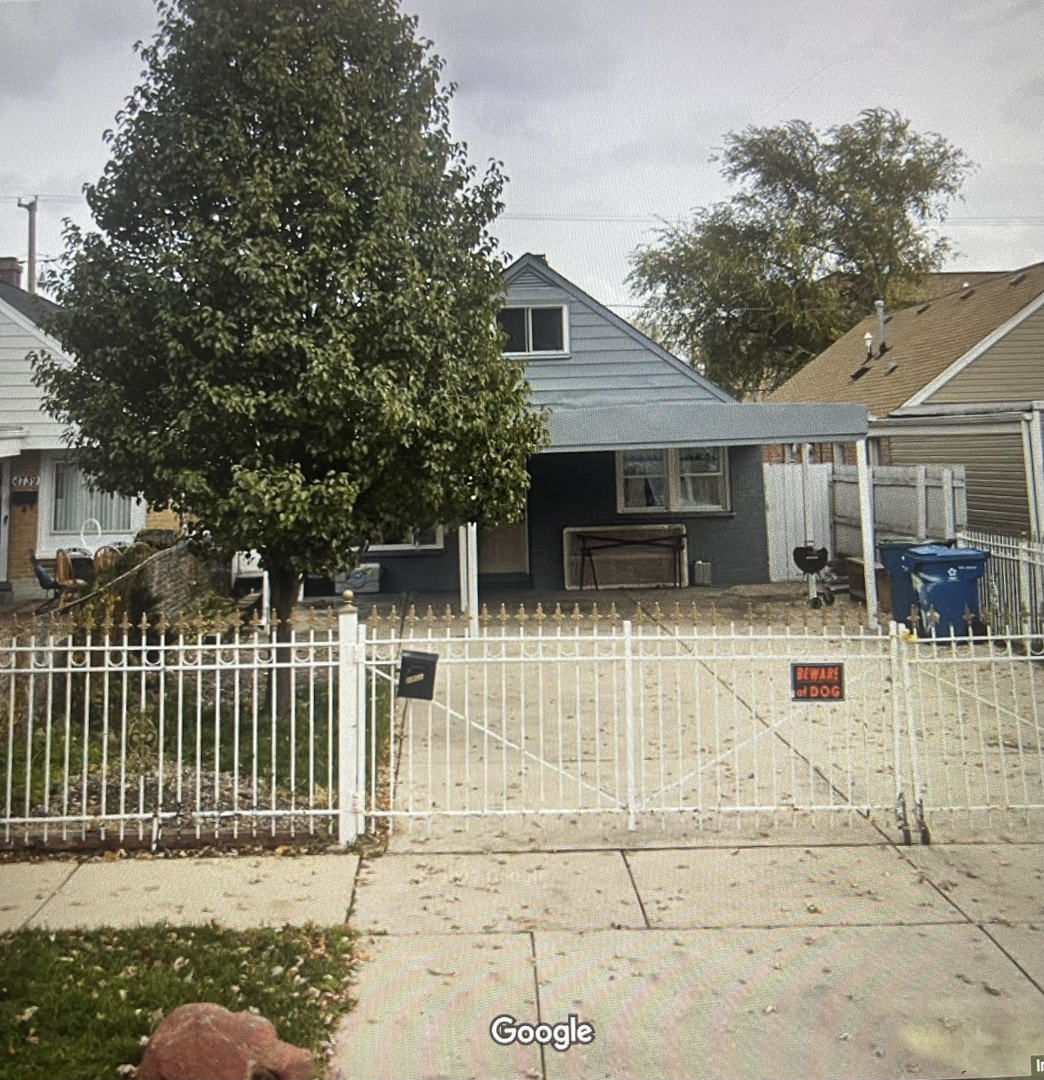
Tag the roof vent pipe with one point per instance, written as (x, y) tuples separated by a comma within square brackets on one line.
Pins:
[(883, 347)]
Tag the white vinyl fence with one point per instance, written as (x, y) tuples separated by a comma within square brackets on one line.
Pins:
[(132, 737), (1011, 593)]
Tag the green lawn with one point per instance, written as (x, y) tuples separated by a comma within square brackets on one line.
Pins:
[(79, 1004)]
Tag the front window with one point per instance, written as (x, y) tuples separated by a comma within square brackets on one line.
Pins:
[(691, 479), (75, 504), (533, 329), (420, 540)]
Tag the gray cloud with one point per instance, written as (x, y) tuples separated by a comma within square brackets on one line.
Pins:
[(39, 40)]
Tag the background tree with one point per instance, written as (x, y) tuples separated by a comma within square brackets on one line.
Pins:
[(285, 325), (821, 226)]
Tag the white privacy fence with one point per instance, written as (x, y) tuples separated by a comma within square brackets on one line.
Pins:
[(132, 737), (1012, 591)]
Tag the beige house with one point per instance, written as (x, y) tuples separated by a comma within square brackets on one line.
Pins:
[(44, 502), (956, 380)]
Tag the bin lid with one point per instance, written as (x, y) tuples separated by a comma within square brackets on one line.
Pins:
[(925, 554)]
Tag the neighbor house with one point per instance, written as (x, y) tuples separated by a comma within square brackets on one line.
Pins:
[(44, 502), (955, 380)]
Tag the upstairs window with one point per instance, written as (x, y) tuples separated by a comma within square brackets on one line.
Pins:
[(693, 479), (534, 329)]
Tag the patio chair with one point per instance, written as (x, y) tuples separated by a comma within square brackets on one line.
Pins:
[(105, 558), (47, 582), (74, 571)]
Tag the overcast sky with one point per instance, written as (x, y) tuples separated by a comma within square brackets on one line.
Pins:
[(604, 112)]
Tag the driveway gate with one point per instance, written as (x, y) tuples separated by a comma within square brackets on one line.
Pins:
[(564, 717)]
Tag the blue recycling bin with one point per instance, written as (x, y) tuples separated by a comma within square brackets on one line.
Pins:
[(900, 586), (945, 587)]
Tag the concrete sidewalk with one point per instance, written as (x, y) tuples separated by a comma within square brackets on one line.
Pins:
[(851, 958)]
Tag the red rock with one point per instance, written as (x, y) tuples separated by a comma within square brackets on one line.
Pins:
[(207, 1042)]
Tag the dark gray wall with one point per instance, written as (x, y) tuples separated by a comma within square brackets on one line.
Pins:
[(580, 489)]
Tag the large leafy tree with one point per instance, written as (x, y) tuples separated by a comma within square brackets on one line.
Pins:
[(822, 224), (284, 325)]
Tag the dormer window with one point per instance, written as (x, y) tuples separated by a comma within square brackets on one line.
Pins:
[(534, 329)]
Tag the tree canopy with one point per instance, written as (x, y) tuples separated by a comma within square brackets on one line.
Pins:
[(285, 323), (822, 224)]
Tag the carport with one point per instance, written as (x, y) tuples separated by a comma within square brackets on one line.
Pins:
[(593, 426)]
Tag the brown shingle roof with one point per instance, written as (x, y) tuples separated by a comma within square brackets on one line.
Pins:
[(923, 341)]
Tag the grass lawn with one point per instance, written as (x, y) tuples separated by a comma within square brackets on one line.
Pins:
[(81, 1004)]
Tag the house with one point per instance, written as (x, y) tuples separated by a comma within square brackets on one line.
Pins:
[(651, 467), (44, 502), (955, 380)]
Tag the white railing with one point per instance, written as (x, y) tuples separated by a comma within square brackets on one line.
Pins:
[(167, 737), (1012, 591)]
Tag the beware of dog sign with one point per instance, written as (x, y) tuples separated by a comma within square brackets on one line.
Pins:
[(817, 682)]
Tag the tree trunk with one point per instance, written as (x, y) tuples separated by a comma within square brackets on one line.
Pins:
[(284, 585)]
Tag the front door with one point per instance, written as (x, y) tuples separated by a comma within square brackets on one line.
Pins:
[(504, 550)]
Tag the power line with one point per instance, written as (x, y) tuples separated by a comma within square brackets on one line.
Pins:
[(964, 221)]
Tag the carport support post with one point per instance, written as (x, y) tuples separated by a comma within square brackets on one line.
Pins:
[(806, 500), (462, 568), (866, 521), (472, 560), (349, 711)]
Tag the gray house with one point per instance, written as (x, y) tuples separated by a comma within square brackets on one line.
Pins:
[(653, 475)]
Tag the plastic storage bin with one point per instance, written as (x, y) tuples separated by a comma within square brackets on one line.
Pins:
[(365, 578), (900, 586), (944, 581)]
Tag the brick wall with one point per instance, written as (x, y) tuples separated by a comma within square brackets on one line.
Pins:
[(177, 578), (162, 519)]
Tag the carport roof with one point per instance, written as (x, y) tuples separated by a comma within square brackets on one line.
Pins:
[(635, 426)]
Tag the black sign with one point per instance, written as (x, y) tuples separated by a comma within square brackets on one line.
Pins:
[(818, 682), (417, 675)]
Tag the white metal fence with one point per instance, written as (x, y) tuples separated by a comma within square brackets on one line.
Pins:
[(126, 735), (658, 719), (131, 737), (1012, 591)]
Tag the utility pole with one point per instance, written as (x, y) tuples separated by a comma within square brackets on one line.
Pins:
[(30, 205)]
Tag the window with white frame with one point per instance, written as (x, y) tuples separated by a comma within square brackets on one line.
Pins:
[(534, 329), (692, 479), (75, 503), (422, 540)]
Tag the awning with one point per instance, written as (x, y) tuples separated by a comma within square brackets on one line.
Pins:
[(578, 428)]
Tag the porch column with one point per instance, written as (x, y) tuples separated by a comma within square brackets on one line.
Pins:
[(866, 521)]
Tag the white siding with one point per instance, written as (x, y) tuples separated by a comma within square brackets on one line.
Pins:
[(19, 397)]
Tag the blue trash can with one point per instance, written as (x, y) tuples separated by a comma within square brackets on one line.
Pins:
[(900, 586), (944, 584)]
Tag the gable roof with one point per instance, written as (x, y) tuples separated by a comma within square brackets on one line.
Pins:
[(652, 375), (924, 342), (617, 389), (32, 306)]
